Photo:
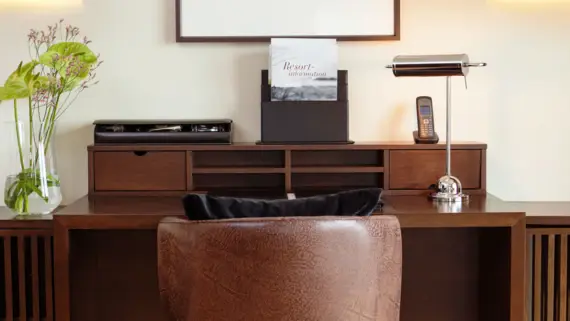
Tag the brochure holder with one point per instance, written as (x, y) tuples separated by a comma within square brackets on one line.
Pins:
[(304, 122)]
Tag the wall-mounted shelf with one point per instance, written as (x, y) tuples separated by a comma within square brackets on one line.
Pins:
[(398, 168)]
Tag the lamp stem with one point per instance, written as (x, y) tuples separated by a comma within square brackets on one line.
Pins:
[(448, 128)]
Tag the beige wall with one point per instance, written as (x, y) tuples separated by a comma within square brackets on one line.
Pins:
[(518, 104)]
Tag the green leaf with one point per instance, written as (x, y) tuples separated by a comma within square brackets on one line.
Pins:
[(16, 89), (34, 188), (28, 68), (76, 49), (10, 194), (23, 71), (19, 206), (37, 177), (20, 84), (71, 83), (15, 198), (3, 94), (41, 82), (19, 67), (52, 181), (70, 59)]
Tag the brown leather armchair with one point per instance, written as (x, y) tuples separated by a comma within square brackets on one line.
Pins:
[(281, 269)]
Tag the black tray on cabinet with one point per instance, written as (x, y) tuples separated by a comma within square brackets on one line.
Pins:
[(213, 131)]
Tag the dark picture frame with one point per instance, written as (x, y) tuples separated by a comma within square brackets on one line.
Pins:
[(395, 36)]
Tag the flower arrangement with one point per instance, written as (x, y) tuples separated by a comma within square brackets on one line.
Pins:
[(61, 66)]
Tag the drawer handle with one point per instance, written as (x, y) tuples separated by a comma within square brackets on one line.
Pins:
[(140, 152)]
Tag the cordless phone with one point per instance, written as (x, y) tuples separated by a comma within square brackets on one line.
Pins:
[(424, 111)]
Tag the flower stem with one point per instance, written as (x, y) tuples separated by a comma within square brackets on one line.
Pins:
[(47, 126), (51, 124), (25, 192), (30, 111), (18, 134)]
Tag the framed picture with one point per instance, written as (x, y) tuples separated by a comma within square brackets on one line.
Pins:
[(261, 20)]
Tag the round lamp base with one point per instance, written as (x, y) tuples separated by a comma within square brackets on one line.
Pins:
[(449, 190), (449, 197)]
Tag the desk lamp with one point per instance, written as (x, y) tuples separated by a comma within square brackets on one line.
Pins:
[(448, 187)]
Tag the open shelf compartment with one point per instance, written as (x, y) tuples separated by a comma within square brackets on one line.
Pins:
[(308, 184), (238, 182), (337, 161), (251, 161)]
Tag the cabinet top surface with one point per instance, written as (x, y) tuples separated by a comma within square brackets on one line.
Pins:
[(254, 146)]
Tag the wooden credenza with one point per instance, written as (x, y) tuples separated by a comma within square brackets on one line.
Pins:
[(398, 168)]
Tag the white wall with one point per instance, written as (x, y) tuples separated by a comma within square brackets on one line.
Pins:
[(518, 104)]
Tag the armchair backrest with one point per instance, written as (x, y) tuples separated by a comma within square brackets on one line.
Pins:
[(297, 268)]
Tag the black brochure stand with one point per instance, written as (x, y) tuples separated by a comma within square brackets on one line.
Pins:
[(304, 122)]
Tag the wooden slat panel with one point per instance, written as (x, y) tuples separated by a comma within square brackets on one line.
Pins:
[(48, 276), (537, 279), (22, 277), (35, 280), (8, 278), (288, 161), (563, 284), (549, 277), (27, 293)]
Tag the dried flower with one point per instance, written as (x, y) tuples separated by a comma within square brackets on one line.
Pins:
[(67, 76)]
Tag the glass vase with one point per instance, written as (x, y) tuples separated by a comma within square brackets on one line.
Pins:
[(33, 186)]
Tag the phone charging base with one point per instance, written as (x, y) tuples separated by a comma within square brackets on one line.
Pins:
[(431, 140)]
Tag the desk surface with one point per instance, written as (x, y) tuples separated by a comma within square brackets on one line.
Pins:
[(410, 209)]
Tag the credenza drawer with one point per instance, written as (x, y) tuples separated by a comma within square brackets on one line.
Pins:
[(418, 169), (139, 171)]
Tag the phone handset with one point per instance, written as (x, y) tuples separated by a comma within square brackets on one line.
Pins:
[(426, 133)]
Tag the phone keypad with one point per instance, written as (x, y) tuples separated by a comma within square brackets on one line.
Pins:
[(426, 127)]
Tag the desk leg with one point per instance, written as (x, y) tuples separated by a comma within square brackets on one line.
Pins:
[(61, 271), (518, 264)]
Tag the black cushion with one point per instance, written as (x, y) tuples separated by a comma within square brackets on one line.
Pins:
[(360, 202)]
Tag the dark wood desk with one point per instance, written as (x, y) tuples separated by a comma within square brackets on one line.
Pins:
[(120, 272), (463, 263), (467, 266)]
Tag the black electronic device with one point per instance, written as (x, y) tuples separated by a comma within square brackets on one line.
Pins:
[(177, 131), (426, 133)]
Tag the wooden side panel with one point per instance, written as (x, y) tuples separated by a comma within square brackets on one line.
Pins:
[(418, 169), (27, 284), (113, 276), (445, 288), (548, 274)]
